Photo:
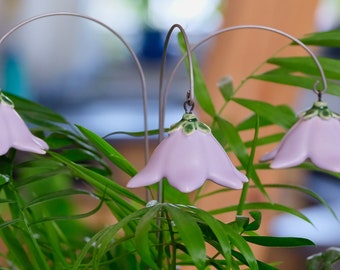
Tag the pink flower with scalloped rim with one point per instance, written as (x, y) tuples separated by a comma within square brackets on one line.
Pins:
[(315, 137), (187, 158), (14, 132)]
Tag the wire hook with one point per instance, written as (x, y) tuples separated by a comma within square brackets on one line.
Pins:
[(319, 92), (163, 96), (132, 53)]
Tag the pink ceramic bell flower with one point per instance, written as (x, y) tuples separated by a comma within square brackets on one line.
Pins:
[(187, 158), (14, 132), (315, 137)]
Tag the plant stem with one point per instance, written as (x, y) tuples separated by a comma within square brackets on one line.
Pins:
[(242, 200), (250, 165)]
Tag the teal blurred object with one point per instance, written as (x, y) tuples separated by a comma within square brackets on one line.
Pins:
[(14, 77)]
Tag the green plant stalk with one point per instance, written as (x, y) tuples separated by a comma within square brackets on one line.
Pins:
[(173, 262), (250, 163), (160, 238)]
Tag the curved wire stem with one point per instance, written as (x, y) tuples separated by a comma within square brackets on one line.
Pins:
[(319, 93), (133, 55), (189, 103)]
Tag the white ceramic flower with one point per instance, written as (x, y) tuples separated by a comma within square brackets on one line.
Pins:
[(315, 137), (187, 158), (14, 132)]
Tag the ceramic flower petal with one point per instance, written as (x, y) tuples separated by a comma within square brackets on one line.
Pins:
[(14, 132), (187, 158), (314, 137)]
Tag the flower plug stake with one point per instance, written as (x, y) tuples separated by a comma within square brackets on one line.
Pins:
[(314, 137), (14, 132), (190, 154), (187, 157)]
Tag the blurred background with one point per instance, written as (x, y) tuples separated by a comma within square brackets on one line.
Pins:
[(65, 62), (81, 70)]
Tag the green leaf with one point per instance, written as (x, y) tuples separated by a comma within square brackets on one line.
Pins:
[(249, 123), (262, 206), (57, 140), (261, 265), (135, 134), (218, 229), (173, 195), (56, 195), (272, 241), (253, 226), (112, 154), (114, 190), (306, 65), (102, 239), (190, 234), (243, 247), (226, 88), (16, 250), (34, 111), (306, 191), (201, 90), (327, 38), (142, 234), (236, 144), (70, 217), (283, 76), (233, 139), (274, 114)]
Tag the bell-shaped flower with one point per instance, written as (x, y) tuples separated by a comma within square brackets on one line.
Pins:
[(14, 132), (188, 157), (315, 137)]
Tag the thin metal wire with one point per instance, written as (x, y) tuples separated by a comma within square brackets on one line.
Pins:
[(163, 97), (260, 27), (190, 93), (133, 55)]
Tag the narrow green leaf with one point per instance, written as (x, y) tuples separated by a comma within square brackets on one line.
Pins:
[(134, 134), (16, 250), (104, 184), (233, 139), (250, 122), (306, 191), (201, 90), (5, 224), (285, 77), (190, 234), (236, 144), (112, 154), (255, 224), (218, 229), (307, 65), (56, 195), (142, 234), (272, 241), (102, 239), (267, 139), (274, 114), (69, 217), (33, 110), (226, 88), (243, 247), (263, 206), (261, 265), (327, 38)]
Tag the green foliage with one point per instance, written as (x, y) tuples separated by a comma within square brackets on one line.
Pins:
[(44, 227)]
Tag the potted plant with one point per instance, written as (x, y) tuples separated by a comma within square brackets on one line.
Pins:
[(41, 228)]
